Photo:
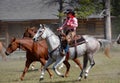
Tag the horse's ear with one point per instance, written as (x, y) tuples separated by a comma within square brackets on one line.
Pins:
[(26, 28), (42, 26)]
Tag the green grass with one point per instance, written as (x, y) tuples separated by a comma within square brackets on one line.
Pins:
[(105, 70)]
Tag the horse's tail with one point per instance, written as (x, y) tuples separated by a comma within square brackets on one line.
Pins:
[(105, 44)]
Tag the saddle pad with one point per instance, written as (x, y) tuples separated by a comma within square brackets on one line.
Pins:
[(79, 40)]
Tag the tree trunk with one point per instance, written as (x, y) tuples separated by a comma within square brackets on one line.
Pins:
[(107, 21), (60, 11)]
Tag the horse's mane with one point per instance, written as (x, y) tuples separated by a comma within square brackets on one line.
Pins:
[(47, 27)]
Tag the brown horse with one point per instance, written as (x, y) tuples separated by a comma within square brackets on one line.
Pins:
[(35, 51), (2, 52), (29, 33)]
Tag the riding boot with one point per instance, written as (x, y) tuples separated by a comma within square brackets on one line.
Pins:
[(67, 56)]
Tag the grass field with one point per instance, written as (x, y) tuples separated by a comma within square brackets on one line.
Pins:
[(105, 71)]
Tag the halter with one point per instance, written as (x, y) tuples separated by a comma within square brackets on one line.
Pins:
[(50, 53)]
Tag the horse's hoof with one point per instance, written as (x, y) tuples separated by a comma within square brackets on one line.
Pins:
[(51, 77), (21, 79), (66, 76), (62, 76), (85, 77), (79, 78), (41, 79)]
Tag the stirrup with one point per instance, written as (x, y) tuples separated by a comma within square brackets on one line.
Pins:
[(62, 53)]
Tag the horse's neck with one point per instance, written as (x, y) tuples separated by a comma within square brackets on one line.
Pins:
[(43, 43), (52, 41), (26, 44)]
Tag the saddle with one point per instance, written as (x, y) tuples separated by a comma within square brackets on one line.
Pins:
[(77, 40)]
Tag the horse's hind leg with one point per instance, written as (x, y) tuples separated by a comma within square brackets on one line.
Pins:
[(3, 55), (76, 60), (2, 52), (85, 61), (92, 63), (67, 64)]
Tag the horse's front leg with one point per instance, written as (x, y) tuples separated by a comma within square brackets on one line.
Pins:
[(49, 62), (43, 61), (59, 61), (27, 64)]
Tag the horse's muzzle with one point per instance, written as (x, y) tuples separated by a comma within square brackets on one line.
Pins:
[(35, 39), (6, 53)]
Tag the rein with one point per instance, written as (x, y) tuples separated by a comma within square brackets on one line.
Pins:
[(50, 53)]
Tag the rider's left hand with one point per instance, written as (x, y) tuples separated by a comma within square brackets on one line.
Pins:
[(59, 29)]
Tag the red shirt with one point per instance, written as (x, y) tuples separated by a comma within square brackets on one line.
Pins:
[(70, 23)]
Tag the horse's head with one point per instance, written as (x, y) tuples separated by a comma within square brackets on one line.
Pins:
[(118, 39), (12, 46), (30, 32), (40, 33)]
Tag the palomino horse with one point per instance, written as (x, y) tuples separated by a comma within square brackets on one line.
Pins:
[(35, 51), (87, 49), (2, 52)]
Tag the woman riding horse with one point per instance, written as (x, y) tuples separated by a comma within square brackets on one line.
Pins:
[(30, 32), (87, 50), (70, 25)]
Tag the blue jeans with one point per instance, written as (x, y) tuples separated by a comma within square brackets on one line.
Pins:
[(66, 48)]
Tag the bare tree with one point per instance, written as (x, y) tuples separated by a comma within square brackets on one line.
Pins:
[(107, 21)]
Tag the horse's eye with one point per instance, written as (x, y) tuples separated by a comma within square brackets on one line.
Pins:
[(40, 31)]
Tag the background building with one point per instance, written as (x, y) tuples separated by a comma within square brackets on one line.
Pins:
[(16, 15)]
